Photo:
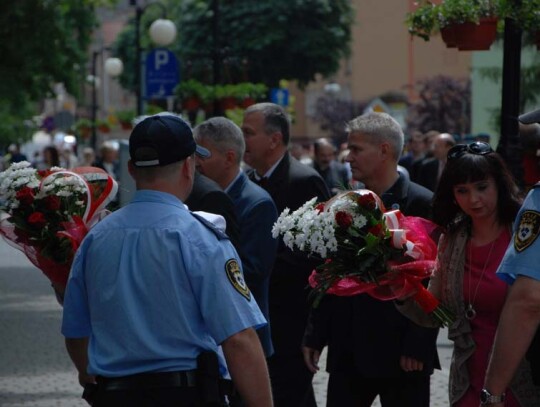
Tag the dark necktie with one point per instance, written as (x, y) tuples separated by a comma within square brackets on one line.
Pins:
[(262, 181)]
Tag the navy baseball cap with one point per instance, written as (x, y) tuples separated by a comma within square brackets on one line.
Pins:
[(530, 117), (162, 139)]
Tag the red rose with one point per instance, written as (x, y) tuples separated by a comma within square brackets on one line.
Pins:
[(343, 219), (367, 201), (52, 202), (376, 230), (25, 196), (37, 219), (320, 207)]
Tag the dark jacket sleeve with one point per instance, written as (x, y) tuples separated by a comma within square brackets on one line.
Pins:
[(318, 324), (259, 247)]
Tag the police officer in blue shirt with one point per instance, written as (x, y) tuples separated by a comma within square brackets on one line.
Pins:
[(520, 317), (154, 286)]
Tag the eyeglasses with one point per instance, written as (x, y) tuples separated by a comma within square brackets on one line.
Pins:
[(478, 148)]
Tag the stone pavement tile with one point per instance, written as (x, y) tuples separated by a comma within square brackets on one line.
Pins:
[(49, 390)]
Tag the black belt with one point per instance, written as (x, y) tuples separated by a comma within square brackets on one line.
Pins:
[(186, 378)]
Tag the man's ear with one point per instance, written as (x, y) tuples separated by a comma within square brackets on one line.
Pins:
[(276, 139), (386, 150), (131, 168), (188, 169), (230, 158)]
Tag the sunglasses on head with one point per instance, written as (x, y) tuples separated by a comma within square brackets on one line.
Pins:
[(478, 148)]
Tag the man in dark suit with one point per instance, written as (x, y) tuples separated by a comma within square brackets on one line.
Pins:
[(254, 208), (207, 196), (291, 184), (372, 348), (333, 173), (430, 169)]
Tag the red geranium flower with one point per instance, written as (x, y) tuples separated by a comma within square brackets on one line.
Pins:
[(343, 219), (37, 219), (25, 196), (52, 202)]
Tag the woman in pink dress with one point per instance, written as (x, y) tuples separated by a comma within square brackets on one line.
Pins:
[(476, 202)]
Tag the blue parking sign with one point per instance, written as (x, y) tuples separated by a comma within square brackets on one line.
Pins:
[(279, 96), (162, 74)]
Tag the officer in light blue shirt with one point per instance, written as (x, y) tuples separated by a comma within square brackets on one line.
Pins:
[(522, 255), (154, 286), (517, 334)]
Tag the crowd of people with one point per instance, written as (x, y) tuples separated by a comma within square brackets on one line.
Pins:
[(66, 157), (183, 297)]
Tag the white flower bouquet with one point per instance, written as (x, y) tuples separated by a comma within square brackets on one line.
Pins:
[(50, 212), (365, 249)]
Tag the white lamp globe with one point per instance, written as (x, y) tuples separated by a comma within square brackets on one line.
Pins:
[(114, 66), (162, 32)]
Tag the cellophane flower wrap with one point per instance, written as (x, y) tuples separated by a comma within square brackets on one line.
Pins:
[(50, 211), (365, 249)]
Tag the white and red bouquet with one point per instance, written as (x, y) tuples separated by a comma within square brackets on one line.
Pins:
[(365, 249), (50, 212)]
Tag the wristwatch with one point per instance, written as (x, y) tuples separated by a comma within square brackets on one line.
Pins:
[(487, 398)]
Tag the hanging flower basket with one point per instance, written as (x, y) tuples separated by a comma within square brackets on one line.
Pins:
[(246, 102), (476, 37), (85, 132), (191, 104), (126, 125), (228, 103), (448, 35)]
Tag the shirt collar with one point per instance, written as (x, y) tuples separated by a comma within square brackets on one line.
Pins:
[(150, 195), (268, 173)]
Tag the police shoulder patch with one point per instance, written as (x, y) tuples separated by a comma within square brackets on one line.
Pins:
[(527, 230), (235, 276)]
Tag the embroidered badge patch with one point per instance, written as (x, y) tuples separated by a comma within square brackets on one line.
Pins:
[(236, 278), (527, 231)]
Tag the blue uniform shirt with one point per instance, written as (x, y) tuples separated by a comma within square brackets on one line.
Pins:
[(523, 254), (152, 286)]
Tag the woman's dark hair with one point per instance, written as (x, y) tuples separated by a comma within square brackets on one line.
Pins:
[(55, 160), (472, 168)]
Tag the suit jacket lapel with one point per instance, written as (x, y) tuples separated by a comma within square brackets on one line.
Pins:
[(279, 176), (236, 187)]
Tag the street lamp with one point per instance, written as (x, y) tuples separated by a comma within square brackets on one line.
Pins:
[(162, 33), (113, 67)]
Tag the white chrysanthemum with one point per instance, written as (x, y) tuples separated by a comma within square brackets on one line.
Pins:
[(359, 221), (64, 193), (19, 165), (288, 239), (343, 204)]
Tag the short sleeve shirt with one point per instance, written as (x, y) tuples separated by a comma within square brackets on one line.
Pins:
[(523, 254), (153, 286)]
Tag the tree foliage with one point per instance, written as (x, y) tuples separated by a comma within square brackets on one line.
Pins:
[(333, 113), (43, 43), (257, 41), (444, 104)]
